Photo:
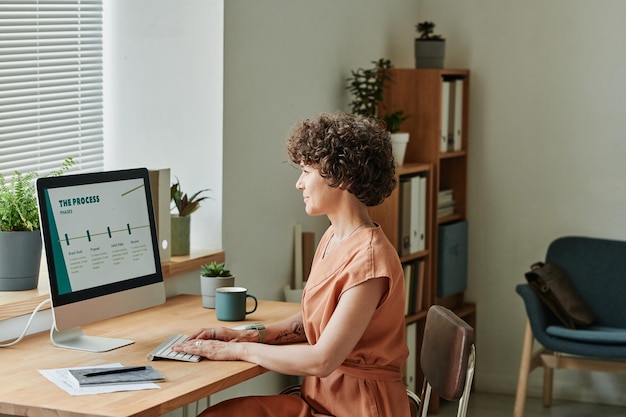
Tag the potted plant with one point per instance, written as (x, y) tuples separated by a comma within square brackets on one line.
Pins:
[(399, 140), (429, 48), (20, 236), (213, 276), (181, 220), (367, 87)]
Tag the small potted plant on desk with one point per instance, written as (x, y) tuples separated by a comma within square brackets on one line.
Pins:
[(213, 276), (181, 221), (20, 235), (430, 49)]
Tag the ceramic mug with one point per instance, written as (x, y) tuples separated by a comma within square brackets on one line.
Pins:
[(230, 303)]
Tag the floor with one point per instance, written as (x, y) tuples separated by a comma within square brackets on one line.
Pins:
[(496, 405)]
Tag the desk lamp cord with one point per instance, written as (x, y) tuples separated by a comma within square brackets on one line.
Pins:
[(47, 300)]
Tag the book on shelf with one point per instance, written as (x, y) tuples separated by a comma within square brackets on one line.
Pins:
[(412, 228), (451, 115), (404, 243), (458, 115), (452, 259), (445, 203), (444, 135), (413, 286), (445, 196), (419, 287), (408, 274), (421, 220), (445, 211), (410, 377)]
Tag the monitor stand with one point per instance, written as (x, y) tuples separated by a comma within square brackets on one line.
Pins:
[(75, 339)]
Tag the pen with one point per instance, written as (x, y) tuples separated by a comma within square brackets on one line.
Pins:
[(117, 371)]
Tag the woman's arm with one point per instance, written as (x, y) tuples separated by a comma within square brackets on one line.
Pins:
[(345, 328), (290, 330)]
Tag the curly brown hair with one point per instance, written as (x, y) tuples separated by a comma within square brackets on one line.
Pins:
[(350, 151)]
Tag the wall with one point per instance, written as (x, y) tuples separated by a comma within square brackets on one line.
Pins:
[(163, 97), (546, 156), (283, 61)]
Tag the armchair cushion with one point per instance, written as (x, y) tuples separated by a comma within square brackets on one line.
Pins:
[(593, 334)]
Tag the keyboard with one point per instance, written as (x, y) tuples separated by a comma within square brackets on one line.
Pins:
[(164, 351)]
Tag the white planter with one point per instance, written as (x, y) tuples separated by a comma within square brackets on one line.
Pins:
[(398, 145), (208, 286)]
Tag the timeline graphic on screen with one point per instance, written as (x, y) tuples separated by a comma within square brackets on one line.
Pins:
[(101, 247)]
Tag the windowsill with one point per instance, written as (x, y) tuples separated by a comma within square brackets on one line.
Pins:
[(19, 303)]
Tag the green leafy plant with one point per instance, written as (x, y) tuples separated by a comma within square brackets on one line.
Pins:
[(366, 85), (18, 200), (394, 120), (215, 269), (426, 30), (182, 202)]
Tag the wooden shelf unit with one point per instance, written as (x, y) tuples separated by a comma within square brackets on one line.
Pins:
[(418, 92)]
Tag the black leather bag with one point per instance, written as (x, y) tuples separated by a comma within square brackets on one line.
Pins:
[(556, 291)]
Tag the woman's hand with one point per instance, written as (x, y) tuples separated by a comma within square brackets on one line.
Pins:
[(212, 343), (216, 350), (226, 334)]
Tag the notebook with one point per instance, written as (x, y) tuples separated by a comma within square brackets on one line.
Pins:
[(86, 377)]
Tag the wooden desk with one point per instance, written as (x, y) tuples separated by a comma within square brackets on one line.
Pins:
[(24, 391)]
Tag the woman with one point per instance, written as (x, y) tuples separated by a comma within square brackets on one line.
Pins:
[(352, 317)]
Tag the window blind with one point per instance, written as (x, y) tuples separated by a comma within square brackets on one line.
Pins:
[(51, 93)]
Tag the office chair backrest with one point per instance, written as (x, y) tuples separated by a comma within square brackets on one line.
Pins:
[(447, 357)]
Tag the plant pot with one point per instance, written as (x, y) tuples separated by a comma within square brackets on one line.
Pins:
[(429, 53), (399, 142), (180, 234), (20, 259), (208, 285)]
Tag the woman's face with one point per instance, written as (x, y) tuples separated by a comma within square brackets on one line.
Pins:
[(319, 197)]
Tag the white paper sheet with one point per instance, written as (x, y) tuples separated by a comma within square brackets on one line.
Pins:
[(64, 380)]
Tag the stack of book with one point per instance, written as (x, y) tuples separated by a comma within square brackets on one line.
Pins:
[(445, 203)]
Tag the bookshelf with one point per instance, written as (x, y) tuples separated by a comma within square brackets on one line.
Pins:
[(437, 101)]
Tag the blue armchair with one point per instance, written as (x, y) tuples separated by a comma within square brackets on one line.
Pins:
[(597, 269)]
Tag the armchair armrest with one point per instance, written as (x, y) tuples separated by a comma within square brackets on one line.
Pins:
[(538, 314)]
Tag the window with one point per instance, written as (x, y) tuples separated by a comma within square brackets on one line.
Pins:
[(51, 92)]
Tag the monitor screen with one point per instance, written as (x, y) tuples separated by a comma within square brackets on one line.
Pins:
[(102, 252)]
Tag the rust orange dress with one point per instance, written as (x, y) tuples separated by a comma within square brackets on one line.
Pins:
[(368, 383)]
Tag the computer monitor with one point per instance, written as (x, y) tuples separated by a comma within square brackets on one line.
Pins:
[(101, 248)]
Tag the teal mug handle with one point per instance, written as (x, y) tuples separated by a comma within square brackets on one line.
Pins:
[(256, 303)]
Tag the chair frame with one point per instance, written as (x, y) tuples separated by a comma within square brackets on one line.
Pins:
[(460, 336), (549, 361), (464, 400)]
